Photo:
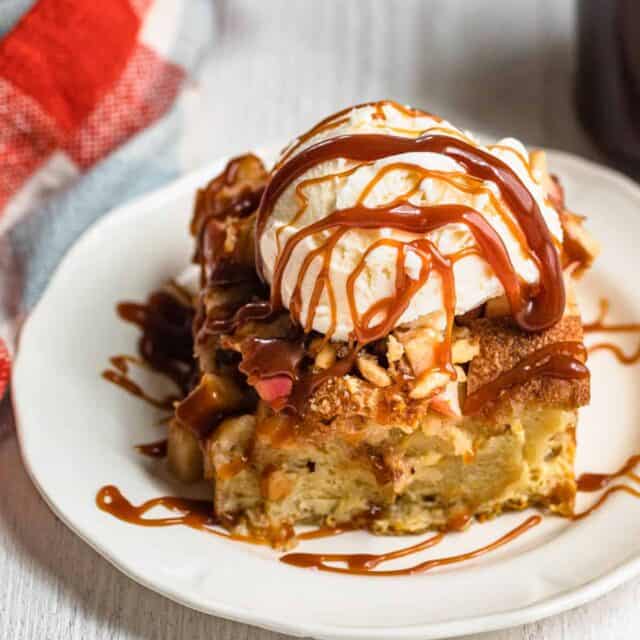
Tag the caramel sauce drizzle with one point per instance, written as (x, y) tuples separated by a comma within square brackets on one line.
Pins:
[(227, 322), (325, 532), (280, 356), (599, 325), (198, 515), (589, 482), (460, 181), (192, 513), (119, 375), (597, 481), (208, 203), (517, 154), (166, 343), (604, 497), (415, 219), (165, 347), (308, 383), (533, 309), (564, 360), (620, 355), (531, 312), (195, 514), (303, 200), (364, 564), (356, 562)]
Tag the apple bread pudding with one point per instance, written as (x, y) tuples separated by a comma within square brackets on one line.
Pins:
[(385, 331)]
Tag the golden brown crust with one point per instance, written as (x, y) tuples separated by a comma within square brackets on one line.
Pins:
[(503, 345)]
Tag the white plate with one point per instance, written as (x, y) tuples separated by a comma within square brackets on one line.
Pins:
[(77, 433)]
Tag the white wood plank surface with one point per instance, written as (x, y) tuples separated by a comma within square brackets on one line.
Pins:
[(497, 66)]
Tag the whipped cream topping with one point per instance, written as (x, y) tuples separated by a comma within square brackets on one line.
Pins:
[(420, 178)]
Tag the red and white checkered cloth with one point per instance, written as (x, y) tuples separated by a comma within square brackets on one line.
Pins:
[(78, 78)]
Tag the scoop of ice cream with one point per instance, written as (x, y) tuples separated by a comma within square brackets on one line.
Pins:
[(360, 256)]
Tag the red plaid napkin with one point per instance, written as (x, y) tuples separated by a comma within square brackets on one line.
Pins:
[(78, 78)]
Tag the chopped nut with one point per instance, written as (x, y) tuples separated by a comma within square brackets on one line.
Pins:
[(395, 350), (498, 307), (373, 372), (540, 171), (420, 347), (326, 357), (354, 385), (464, 350), (578, 245), (428, 384), (447, 402)]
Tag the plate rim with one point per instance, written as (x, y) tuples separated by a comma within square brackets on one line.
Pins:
[(567, 599)]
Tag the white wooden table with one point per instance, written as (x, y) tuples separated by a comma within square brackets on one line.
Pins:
[(497, 66)]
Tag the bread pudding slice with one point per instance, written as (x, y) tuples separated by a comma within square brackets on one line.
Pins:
[(373, 449), (368, 455)]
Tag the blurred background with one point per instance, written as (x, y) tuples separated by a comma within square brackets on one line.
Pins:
[(494, 66), (242, 74)]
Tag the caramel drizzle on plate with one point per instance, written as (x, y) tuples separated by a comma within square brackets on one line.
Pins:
[(199, 515), (599, 325), (166, 341), (195, 514), (365, 564), (617, 351), (589, 482), (119, 375), (165, 346), (192, 513)]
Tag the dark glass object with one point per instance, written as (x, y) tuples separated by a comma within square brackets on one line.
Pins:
[(608, 77)]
